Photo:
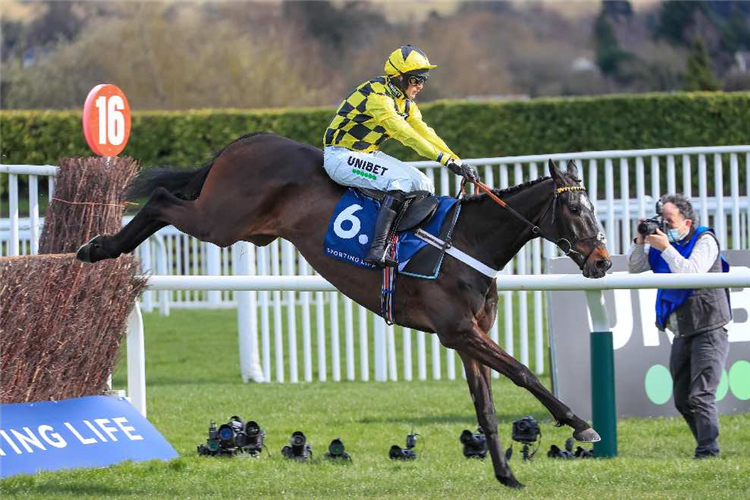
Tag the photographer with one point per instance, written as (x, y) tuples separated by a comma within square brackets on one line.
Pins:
[(695, 317)]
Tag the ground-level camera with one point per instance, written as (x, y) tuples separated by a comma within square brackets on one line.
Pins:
[(336, 451), (408, 453), (233, 437), (526, 431), (475, 445), (298, 447)]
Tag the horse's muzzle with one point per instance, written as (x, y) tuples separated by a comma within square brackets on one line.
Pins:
[(597, 264)]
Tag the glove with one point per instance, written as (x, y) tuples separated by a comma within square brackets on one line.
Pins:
[(467, 171)]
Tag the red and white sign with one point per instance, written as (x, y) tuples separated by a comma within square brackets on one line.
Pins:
[(106, 120)]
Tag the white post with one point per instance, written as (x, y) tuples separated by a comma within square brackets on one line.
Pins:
[(13, 194), (703, 190), (380, 351), (436, 357), (719, 220), (640, 188), (335, 344), (247, 317), (687, 179), (321, 337), (287, 251), (145, 254), (349, 335), (407, 354), (265, 323), (609, 189), (735, 186), (392, 361), (671, 182), (421, 355), (136, 360), (625, 195), (213, 268), (364, 356), (34, 212)]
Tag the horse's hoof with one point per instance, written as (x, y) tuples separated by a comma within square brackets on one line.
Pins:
[(91, 252), (587, 435), (510, 482)]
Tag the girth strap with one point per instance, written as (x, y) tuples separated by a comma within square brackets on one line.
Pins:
[(454, 252)]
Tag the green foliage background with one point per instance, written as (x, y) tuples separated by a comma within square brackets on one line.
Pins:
[(472, 129)]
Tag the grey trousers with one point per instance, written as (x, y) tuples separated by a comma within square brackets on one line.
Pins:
[(696, 364)]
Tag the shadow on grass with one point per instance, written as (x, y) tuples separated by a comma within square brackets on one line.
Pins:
[(464, 418)]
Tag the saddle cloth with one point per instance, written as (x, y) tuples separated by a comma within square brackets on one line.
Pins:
[(352, 226)]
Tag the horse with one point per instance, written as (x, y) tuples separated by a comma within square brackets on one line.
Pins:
[(263, 186)]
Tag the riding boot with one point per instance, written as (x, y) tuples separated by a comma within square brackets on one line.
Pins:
[(379, 246)]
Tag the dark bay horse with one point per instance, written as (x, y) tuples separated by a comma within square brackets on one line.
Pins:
[(263, 186)]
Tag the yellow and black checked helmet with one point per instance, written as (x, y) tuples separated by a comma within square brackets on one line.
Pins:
[(407, 59)]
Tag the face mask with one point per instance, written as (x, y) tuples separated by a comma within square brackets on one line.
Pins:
[(673, 235)]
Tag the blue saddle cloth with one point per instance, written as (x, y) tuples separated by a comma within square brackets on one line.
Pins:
[(352, 226)]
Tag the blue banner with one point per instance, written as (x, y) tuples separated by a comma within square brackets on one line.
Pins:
[(94, 431)]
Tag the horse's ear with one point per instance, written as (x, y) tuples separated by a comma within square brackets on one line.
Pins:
[(572, 169), (554, 172)]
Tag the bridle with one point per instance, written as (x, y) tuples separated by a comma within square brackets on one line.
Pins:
[(562, 243)]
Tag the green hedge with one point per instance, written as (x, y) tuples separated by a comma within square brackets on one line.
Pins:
[(472, 129)]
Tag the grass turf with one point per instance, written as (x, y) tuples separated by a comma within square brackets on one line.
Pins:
[(193, 377)]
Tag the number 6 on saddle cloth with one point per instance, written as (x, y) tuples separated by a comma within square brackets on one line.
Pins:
[(352, 225)]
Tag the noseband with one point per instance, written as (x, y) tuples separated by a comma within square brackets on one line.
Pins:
[(562, 243)]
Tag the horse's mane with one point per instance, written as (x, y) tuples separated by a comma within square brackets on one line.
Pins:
[(504, 192)]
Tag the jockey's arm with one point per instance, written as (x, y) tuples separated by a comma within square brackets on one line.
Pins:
[(381, 108), (415, 120)]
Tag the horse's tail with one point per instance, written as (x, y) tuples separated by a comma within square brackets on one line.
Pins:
[(186, 184)]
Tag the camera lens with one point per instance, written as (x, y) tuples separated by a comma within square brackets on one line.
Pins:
[(225, 433), (252, 428), (298, 439), (467, 437), (336, 447)]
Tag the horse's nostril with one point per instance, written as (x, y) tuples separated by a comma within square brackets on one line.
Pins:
[(603, 264)]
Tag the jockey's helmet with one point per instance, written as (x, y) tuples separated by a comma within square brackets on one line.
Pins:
[(407, 61)]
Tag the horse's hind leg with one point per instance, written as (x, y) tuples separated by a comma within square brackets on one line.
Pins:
[(479, 380), (162, 209)]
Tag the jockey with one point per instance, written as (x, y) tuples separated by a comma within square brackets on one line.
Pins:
[(377, 110)]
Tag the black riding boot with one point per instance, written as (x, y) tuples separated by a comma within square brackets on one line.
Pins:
[(386, 215)]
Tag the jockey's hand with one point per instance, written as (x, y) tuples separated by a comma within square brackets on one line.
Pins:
[(467, 171)]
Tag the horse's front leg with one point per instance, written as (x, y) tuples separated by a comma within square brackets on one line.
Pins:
[(479, 380), (475, 342)]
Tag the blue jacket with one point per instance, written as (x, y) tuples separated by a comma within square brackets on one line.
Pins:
[(667, 301)]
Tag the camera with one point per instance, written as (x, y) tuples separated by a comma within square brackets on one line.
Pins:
[(556, 452), (408, 453), (475, 445), (649, 226), (233, 438), (526, 430), (298, 448), (336, 451)]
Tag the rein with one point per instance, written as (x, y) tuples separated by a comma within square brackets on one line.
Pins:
[(562, 243)]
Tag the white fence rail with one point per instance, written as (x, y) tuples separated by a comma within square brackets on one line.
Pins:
[(632, 181), (387, 361)]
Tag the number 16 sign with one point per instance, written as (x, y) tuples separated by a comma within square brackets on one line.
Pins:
[(106, 120)]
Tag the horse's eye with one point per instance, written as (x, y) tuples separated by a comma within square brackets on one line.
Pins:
[(575, 209)]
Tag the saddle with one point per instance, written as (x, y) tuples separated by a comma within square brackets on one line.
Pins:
[(414, 208)]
